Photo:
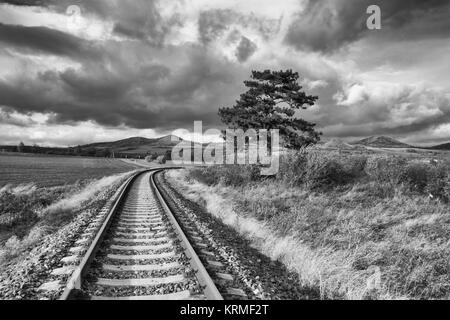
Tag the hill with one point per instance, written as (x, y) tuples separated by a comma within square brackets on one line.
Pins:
[(136, 145), (337, 144), (136, 142), (444, 146), (381, 142)]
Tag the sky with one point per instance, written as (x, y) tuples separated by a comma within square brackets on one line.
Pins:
[(75, 72)]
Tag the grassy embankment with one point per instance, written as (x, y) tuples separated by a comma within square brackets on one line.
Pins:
[(353, 227), (39, 195), (28, 213)]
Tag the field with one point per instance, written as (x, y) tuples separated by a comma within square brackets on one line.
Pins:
[(48, 171), (38, 224), (30, 185), (40, 195), (372, 226)]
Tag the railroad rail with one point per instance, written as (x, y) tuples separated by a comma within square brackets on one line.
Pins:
[(140, 252)]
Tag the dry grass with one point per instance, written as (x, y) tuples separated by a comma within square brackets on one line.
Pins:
[(89, 193), (377, 234), (28, 213), (324, 268)]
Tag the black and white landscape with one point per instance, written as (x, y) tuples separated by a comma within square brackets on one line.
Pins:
[(118, 179)]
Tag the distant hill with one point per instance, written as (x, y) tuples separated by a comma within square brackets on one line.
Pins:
[(381, 142), (137, 145), (337, 144), (444, 146), (136, 142)]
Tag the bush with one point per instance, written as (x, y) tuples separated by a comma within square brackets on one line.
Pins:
[(236, 175), (228, 175), (204, 175), (19, 206), (415, 176), (355, 166), (161, 159), (319, 169), (439, 182), (151, 157), (387, 169), (433, 178), (293, 167), (323, 171), (15, 246)]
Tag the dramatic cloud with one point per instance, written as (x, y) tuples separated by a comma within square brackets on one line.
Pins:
[(245, 49), (393, 109), (140, 95), (42, 40), (26, 2), (326, 25), (212, 24), (140, 67)]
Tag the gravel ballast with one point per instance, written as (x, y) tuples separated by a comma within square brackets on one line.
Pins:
[(253, 272)]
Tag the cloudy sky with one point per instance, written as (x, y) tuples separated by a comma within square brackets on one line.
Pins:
[(123, 68)]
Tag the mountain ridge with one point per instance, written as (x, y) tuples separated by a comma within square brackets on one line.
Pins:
[(134, 141), (136, 145), (381, 142), (442, 146)]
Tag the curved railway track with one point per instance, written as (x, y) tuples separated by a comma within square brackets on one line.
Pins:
[(140, 252)]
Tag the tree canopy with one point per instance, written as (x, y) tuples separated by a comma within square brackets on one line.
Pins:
[(271, 102)]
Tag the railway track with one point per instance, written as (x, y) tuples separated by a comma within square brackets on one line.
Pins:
[(140, 252)]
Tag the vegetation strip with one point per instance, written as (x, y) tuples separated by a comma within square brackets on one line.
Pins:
[(252, 272), (352, 226)]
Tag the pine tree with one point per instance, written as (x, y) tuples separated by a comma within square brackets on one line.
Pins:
[(271, 102)]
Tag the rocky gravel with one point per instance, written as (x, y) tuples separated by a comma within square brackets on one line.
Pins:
[(189, 284), (239, 271), (254, 273), (107, 282)]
